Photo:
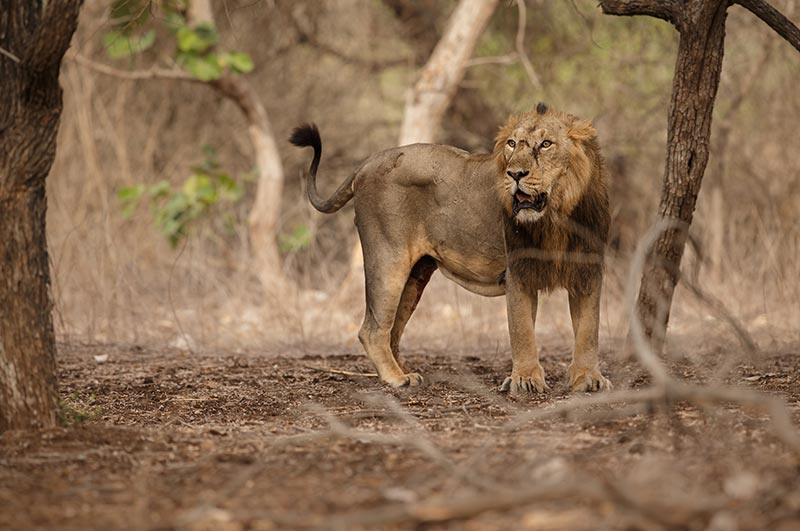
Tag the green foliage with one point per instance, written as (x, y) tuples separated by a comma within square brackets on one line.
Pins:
[(198, 39), (118, 44), (298, 239), (196, 47), (176, 208), (238, 61), (205, 68)]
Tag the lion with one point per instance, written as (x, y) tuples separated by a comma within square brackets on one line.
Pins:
[(531, 216)]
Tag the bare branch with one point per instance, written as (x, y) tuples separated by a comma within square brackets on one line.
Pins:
[(341, 372), (10, 55), (507, 59), (310, 38), (519, 53), (668, 10), (774, 19), (150, 73), (520, 44)]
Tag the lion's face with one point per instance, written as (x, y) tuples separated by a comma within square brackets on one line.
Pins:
[(542, 164)]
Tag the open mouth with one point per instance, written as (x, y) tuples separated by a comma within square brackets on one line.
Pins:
[(523, 201)]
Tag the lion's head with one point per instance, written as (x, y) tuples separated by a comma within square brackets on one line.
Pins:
[(545, 162)]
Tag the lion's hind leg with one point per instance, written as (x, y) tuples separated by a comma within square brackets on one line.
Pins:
[(412, 292), (386, 274)]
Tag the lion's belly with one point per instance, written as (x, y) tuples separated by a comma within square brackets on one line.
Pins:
[(469, 250), (476, 271), (487, 289)]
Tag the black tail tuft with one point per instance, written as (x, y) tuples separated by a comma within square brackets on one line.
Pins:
[(306, 135), (541, 108)]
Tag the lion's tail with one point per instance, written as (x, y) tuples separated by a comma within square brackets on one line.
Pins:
[(307, 135)]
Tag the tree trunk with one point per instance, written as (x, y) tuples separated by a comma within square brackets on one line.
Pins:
[(701, 24), (694, 89), (265, 213), (32, 43), (431, 95), (438, 80)]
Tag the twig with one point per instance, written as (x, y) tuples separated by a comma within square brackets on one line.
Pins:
[(673, 389), (10, 55), (422, 444), (522, 21), (572, 485), (518, 55), (342, 372), (774, 19), (745, 339), (150, 73), (310, 38)]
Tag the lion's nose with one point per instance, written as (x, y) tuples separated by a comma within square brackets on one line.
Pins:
[(517, 175)]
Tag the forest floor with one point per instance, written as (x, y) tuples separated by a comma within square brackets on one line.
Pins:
[(170, 439)]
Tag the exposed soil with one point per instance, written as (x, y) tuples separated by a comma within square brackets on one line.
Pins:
[(167, 439)]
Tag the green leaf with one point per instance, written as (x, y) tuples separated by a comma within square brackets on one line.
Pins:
[(297, 240), (120, 45), (238, 61), (203, 68), (198, 39), (207, 32), (228, 189), (174, 21), (172, 218), (159, 190), (209, 164), (129, 198), (129, 14), (199, 188)]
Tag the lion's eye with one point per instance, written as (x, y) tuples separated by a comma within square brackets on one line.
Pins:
[(511, 143), (546, 144)]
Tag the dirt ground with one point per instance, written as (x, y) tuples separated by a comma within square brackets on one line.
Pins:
[(170, 439)]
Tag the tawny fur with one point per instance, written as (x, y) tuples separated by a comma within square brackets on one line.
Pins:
[(424, 207), (565, 247)]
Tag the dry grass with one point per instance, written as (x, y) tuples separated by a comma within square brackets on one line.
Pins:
[(117, 279)]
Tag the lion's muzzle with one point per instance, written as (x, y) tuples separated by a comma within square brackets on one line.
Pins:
[(523, 201)]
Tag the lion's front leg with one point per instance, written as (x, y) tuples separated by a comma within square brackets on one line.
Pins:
[(584, 371), (527, 374)]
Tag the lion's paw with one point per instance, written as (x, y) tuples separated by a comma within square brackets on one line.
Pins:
[(411, 379), (530, 382), (588, 380)]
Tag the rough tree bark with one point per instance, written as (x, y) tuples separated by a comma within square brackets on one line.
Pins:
[(701, 24), (33, 40)]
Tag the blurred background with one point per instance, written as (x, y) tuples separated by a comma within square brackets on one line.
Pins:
[(127, 148)]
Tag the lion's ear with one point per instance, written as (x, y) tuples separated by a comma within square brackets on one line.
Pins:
[(582, 130)]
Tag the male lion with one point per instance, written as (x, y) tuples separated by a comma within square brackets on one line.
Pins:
[(539, 199)]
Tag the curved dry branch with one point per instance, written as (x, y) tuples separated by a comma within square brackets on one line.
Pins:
[(774, 19), (522, 22)]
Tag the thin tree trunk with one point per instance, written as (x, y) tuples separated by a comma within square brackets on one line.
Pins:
[(694, 89), (438, 80), (265, 213), (32, 43), (701, 24), (432, 94)]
